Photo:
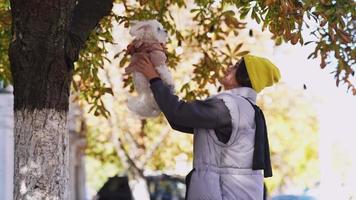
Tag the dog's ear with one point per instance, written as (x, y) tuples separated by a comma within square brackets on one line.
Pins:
[(139, 28), (134, 25), (133, 22)]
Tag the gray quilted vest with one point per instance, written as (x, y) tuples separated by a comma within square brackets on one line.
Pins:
[(224, 171)]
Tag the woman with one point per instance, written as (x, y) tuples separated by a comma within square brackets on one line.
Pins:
[(231, 153)]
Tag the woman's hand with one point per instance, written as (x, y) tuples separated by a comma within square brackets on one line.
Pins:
[(144, 65)]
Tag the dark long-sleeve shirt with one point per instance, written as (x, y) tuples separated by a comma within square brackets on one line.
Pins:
[(186, 116)]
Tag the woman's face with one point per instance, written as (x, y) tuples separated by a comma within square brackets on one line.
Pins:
[(229, 78)]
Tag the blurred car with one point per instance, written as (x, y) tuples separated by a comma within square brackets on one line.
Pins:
[(293, 197), (161, 187)]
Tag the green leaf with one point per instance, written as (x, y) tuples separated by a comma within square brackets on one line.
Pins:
[(242, 53), (123, 61), (238, 47)]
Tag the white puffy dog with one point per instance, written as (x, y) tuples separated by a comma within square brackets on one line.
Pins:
[(147, 34)]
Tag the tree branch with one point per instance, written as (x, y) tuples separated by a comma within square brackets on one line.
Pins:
[(162, 136), (86, 16), (128, 156), (121, 151), (128, 135), (131, 161)]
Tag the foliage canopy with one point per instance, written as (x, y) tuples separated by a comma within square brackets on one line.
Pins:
[(331, 22)]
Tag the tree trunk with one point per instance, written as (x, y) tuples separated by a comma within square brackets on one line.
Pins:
[(41, 154), (41, 90), (46, 39)]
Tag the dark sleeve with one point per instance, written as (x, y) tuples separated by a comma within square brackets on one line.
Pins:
[(183, 129), (224, 133), (210, 113), (176, 127)]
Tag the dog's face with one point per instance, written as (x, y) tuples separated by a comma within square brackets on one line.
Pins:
[(150, 29)]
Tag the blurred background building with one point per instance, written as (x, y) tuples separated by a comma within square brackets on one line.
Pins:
[(6, 142)]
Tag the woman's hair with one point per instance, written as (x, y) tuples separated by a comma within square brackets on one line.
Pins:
[(241, 75)]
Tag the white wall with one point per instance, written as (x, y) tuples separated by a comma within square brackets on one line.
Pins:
[(6, 145)]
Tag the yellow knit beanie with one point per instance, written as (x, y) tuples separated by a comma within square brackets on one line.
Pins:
[(261, 71)]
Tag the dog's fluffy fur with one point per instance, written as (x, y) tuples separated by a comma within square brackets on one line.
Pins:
[(150, 31)]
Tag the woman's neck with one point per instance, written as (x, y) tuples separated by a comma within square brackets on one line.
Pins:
[(231, 87)]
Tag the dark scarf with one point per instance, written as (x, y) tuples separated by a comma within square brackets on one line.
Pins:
[(261, 154)]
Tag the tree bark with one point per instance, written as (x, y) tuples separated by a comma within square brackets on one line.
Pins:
[(41, 154), (46, 39)]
